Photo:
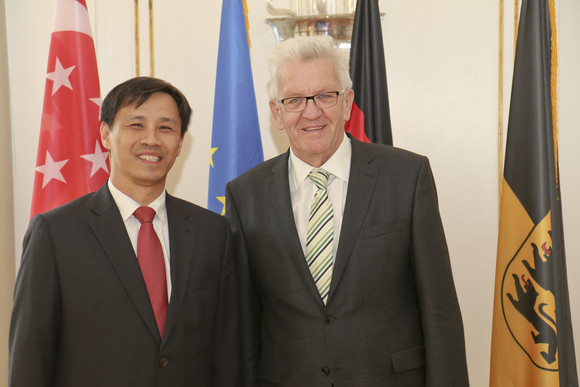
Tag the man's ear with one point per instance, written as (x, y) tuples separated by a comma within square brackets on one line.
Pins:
[(348, 100), (180, 144), (275, 109), (105, 135)]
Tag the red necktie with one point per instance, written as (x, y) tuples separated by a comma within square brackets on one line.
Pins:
[(150, 257)]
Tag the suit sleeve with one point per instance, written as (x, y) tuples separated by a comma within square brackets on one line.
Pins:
[(249, 302), (440, 314), (35, 324)]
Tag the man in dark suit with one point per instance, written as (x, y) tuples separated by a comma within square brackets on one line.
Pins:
[(381, 308), (87, 309)]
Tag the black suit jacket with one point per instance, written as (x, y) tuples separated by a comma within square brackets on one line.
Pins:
[(392, 316), (82, 315)]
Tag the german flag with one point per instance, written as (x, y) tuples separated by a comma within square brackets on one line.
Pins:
[(370, 120), (532, 342)]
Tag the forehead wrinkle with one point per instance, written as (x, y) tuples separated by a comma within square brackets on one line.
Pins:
[(306, 90)]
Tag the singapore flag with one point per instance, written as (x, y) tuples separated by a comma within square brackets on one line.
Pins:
[(70, 161)]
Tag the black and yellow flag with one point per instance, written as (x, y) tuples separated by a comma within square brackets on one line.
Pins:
[(532, 342)]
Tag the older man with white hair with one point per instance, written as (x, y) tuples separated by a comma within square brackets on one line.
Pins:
[(343, 266)]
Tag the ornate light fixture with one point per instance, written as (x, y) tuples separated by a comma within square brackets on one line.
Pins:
[(314, 17)]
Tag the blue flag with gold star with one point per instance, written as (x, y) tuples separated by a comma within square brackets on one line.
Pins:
[(236, 145)]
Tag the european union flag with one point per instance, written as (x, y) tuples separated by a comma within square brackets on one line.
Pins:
[(236, 145)]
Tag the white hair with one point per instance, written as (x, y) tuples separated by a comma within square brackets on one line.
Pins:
[(305, 49)]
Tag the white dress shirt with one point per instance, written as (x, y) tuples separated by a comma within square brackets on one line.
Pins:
[(127, 206), (302, 189)]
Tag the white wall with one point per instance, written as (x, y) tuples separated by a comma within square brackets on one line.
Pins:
[(6, 209), (569, 140), (442, 64)]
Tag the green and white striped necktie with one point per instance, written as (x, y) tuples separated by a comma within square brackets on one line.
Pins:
[(319, 240)]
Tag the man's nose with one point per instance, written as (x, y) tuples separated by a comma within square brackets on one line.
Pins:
[(311, 110), (150, 137)]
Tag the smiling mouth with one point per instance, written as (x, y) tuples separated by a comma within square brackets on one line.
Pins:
[(149, 158), (313, 128)]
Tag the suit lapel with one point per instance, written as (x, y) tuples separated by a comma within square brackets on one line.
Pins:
[(111, 233), (279, 191), (182, 234), (361, 184)]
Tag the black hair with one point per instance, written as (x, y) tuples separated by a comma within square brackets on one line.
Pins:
[(138, 90)]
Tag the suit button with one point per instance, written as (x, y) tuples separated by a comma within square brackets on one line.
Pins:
[(328, 319), (325, 371), (163, 362)]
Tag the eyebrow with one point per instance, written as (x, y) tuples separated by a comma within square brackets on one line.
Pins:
[(321, 91), (162, 119)]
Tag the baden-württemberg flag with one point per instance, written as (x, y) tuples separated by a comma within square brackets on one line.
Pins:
[(532, 342), (236, 145)]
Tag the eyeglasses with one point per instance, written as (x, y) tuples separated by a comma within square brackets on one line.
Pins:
[(322, 100)]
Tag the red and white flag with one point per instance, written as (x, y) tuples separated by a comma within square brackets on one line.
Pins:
[(70, 161)]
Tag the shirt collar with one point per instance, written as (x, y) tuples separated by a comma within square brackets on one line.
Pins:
[(128, 205), (338, 164)]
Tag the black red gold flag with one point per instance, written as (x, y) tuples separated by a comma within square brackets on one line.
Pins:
[(370, 119), (532, 341)]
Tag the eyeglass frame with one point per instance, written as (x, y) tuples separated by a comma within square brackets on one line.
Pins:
[(338, 93)]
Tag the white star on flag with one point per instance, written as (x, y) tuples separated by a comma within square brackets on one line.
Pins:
[(60, 76), (70, 124), (99, 159), (51, 170), (98, 102)]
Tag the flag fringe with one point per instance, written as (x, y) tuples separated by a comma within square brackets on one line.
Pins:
[(247, 24)]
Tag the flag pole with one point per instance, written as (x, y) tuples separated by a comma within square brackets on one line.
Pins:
[(500, 107), (137, 49)]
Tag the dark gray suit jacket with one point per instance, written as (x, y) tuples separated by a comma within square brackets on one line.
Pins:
[(392, 317), (82, 315)]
